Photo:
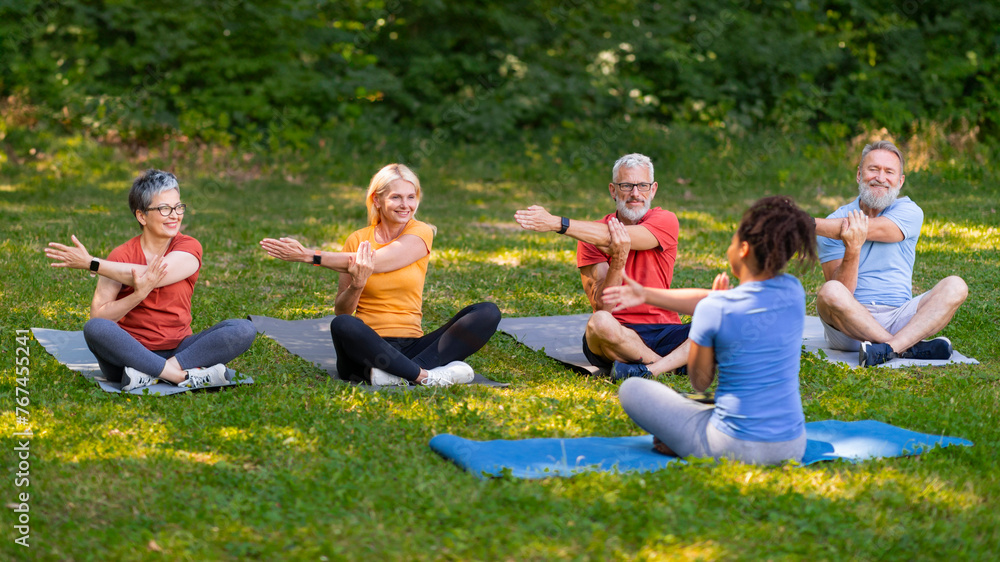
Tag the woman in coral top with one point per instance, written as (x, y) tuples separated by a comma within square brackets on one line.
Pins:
[(140, 318), (377, 332)]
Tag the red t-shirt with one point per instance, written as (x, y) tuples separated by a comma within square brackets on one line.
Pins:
[(163, 319), (651, 268)]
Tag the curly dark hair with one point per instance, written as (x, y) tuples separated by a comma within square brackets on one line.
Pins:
[(776, 230)]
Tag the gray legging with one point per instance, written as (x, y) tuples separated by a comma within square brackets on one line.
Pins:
[(116, 349), (684, 426)]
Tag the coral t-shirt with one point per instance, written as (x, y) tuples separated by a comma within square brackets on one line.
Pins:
[(392, 302), (650, 268), (163, 319)]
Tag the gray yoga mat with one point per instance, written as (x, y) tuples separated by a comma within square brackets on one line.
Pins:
[(560, 338), (70, 349), (310, 340)]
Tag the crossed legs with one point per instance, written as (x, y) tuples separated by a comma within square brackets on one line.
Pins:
[(359, 348), (683, 427), (116, 349), (607, 338), (838, 308)]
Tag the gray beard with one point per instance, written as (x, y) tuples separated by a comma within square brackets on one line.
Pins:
[(630, 214), (876, 202)]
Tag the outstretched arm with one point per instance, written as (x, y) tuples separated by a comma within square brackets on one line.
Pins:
[(538, 219), (880, 229), (181, 265), (400, 253), (679, 300)]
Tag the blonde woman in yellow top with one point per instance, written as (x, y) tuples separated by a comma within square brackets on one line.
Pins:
[(377, 331)]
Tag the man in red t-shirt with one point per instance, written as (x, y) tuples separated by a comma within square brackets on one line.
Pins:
[(635, 241)]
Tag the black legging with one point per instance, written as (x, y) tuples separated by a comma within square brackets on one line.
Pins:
[(360, 348)]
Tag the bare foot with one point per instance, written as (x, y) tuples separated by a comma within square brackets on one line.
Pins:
[(661, 447)]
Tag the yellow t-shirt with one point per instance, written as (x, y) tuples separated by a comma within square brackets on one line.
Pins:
[(392, 302)]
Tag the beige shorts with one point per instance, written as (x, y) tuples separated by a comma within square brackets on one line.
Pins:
[(892, 318)]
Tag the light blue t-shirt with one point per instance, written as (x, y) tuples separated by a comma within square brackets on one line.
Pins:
[(885, 270), (756, 331)]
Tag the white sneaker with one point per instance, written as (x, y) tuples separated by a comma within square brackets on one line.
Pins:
[(133, 379), (216, 375), (455, 372), (382, 378)]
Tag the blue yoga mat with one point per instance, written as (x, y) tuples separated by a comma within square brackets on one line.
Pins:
[(542, 458)]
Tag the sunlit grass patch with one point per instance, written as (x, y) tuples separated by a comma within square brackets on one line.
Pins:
[(947, 236), (297, 466)]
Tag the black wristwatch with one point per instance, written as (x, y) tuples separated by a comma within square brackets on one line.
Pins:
[(565, 225), (317, 258), (95, 264)]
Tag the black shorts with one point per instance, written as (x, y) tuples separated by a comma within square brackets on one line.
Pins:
[(661, 338)]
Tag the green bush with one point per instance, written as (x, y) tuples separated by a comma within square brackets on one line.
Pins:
[(281, 71)]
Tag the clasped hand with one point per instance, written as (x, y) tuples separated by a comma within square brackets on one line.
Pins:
[(145, 282), (854, 229), (361, 265)]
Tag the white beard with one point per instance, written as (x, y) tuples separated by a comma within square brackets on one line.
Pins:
[(632, 215), (877, 202)]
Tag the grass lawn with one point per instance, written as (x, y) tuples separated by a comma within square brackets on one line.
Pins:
[(298, 466)]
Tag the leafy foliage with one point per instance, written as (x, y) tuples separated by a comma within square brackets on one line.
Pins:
[(229, 70)]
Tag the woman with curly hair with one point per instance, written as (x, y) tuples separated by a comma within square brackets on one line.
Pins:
[(751, 333)]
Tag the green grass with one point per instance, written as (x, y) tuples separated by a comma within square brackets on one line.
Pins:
[(297, 466)]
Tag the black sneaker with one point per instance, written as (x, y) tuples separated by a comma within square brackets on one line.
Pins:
[(621, 371), (871, 354), (937, 348)]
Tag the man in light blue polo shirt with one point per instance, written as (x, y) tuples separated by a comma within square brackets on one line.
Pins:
[(867, 249)]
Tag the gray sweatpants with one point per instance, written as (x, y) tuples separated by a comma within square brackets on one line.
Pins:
[(683, 425), (116, 349)]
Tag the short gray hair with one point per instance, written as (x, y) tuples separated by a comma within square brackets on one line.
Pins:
[(150, 184), (633, 160), (883, 145)]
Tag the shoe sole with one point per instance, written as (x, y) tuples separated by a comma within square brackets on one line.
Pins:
[(151, 382), (385, 379), (863, 356)]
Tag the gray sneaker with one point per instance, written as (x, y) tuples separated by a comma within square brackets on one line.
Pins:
[(382, 378), (216, 375), (133, 379), (455, 372)]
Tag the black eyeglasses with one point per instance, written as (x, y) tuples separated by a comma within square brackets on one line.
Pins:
[(628, 187), (166, 209)]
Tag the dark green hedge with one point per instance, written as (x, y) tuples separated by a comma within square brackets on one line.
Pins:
[(284, 69)]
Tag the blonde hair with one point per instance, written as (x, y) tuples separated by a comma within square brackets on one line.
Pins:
[(380, 185)]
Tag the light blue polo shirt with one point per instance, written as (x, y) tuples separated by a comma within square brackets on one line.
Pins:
[(885, 270), (756, 332)]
